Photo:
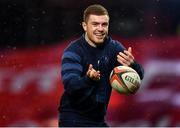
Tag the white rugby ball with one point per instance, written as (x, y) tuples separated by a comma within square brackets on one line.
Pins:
[(124, 80)]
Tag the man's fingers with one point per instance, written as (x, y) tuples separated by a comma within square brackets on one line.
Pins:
[(90, 67), (123, 56), (129, 55), (123, 61), (92, 73), (130, 49)]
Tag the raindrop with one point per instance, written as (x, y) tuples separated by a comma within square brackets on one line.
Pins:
[(167, 51), (14, 48), (141, 19), (2, 56), (42, 42), (4, 117), (14, 4), (14, 66), (43, 12), (35, 19), (39, 109), (9, 6), (163, 41)]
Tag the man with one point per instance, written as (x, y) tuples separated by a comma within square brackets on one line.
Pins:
[(86, 66)]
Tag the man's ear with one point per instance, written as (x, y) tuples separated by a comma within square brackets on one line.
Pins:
[(84, 26)]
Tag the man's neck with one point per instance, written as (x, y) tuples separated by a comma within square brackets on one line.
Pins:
[(89, 41)]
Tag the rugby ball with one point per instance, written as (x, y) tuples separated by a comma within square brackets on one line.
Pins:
[(124, 80)]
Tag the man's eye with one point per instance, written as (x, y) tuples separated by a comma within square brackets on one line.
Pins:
[(94, 24), (104, 25)]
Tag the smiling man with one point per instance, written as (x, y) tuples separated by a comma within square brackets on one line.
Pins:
[(96, 29), (85, 69)]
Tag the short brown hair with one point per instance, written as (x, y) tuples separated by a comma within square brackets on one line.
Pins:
[(94, 9)]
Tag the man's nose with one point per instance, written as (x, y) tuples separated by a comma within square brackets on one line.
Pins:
[(100, 27)]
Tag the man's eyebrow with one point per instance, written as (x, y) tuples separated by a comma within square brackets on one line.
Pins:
[(99, 22), (95, 22)]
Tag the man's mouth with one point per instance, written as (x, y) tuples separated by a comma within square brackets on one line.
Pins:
[(100, 35)]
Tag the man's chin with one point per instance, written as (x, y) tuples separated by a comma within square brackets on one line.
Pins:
[(100, 41)]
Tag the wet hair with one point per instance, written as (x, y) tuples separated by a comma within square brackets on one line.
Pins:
[(94, 9)]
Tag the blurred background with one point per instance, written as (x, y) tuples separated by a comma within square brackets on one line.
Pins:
[(34, 33)]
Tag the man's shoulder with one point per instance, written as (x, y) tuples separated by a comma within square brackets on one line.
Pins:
[(74, 44), (113, 42)]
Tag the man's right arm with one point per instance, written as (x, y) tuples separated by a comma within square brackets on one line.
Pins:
[(71, 74)]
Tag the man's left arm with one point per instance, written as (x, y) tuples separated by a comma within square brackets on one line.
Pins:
[(126, 58)]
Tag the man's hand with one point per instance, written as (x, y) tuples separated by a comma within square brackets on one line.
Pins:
[(92, 73), (126, 58)]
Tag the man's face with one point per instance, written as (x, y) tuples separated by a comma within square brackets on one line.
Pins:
[(96, 28)]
